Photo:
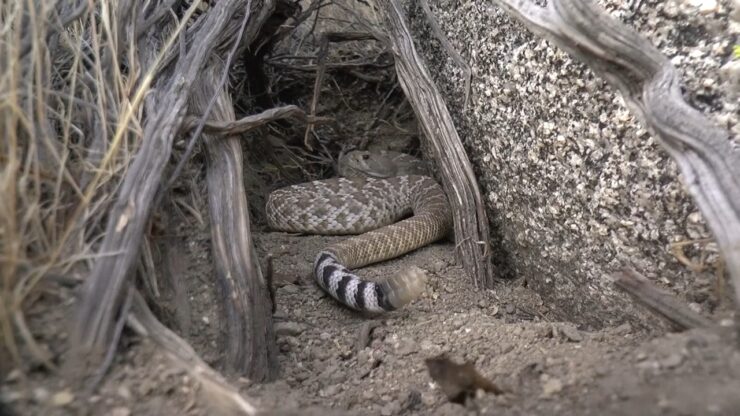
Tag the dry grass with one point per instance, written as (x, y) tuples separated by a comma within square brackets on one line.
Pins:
[(71, 102)]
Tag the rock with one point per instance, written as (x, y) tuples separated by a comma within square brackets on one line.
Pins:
[(120, 411), (62, 398), (290, 328), (40, 394), (570, 333), (672, 361), (551, 386), (406, 346), (124, 392), (573, 182)]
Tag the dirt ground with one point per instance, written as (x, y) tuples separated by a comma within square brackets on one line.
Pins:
[(330, 361)]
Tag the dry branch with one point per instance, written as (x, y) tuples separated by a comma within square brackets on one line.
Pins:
[(110, 277), (469, 215), (324, 41), (659, 301), (252, 122), (245, 295), (651, 87)]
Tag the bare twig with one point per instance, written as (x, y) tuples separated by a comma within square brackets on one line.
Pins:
[(659, 301), (244, 292), (323, 50), (243, 125), (109, 279)]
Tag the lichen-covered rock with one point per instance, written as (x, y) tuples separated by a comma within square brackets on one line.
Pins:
[(575, 186)]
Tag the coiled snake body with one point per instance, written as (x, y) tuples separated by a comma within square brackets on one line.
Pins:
[(377, 190)]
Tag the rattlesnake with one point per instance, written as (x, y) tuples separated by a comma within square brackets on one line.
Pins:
[(376, 190)]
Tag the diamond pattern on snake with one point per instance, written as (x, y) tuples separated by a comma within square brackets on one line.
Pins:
[(371, 200)]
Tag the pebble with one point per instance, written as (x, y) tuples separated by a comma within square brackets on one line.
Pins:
[(406, 346), (570, 333), (551, 386), (120, 411), (672, 361), (62, 398), (40, 394), (291, 328)]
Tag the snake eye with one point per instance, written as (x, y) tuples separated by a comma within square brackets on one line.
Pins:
[(365, 156)]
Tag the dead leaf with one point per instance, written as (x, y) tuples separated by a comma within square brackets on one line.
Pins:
[(458, 381)]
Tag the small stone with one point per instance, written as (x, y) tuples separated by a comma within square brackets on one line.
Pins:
[(672, 361), (290, 328), (406, 346), (390, 409), (124, 392), (40, 394), (62, 398), (330, 391), (325, 336), (10, 396), (510, 308), (426, 345), (428, 399), (571, 334), (551, 386), (623, 329), (120, 411), (13, 376)]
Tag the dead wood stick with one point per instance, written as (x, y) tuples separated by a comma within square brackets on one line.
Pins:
[(217, 392), (651, 87), (244, 292), (243, 125), (659, 301), (461, 186), (323, 50), (105, 287)]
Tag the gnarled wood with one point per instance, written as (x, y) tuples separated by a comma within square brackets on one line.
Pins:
[(244, 293), (109, 279), (469, 215)]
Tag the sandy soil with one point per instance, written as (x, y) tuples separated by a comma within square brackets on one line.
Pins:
[(329, 359)]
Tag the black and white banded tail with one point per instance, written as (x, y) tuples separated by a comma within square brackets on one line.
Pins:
[(363, 295)]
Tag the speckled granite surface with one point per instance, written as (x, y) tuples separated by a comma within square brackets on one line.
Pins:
[(576, 188)]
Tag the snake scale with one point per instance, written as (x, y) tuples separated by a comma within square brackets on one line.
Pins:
[(373, 198)]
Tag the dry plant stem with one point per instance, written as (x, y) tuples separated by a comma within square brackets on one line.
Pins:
[(245, 293), (469, 215), (243, 125), (659, 301), (651, 87), (223, 398), (323, 50), (107, 284)]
